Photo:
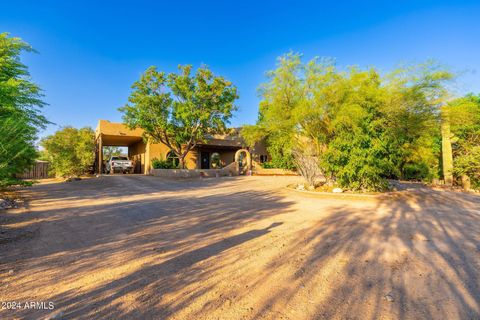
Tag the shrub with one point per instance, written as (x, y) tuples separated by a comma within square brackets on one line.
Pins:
[(416, 171), (267, 165), (162, 164), (70, 151)]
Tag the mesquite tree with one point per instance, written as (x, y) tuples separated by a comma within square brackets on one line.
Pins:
[(180, 110)]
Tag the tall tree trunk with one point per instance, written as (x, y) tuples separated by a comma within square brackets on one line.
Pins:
[(181, 161), (447, 158), (466, 184)]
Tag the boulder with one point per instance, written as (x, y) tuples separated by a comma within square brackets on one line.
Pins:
[(300, 187)]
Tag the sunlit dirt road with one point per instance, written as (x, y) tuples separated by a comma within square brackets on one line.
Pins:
[(139, 247)]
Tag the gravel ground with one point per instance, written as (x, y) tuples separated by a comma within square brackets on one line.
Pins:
[(139, 247)]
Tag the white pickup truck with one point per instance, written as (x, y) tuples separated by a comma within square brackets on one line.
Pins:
[(119, 164)]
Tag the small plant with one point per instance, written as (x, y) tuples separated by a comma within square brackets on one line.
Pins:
[(162, 164), (267, 165)]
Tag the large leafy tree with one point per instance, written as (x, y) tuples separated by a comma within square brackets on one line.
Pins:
[(111, 151), (17, 151), (464, 120), (412, 112), (71, 151), (361, 127), (20, 111), (281, 97), (180, 110)]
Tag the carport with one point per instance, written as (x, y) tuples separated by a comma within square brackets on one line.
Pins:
[(117, 135)]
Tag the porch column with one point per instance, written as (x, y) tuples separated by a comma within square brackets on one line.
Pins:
[(100, 154)]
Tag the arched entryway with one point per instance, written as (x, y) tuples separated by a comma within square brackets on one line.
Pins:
[(243, 160)]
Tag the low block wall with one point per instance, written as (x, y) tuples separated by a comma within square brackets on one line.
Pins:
[(193, 173), (259, 171)]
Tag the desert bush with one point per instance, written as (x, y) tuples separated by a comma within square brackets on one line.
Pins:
[(417, 171), (70, 151), (162, 164), (465, 127)]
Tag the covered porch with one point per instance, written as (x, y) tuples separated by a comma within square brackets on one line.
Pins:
[(215, 157)]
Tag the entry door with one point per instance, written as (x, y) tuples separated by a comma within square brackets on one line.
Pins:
[(205, 160)]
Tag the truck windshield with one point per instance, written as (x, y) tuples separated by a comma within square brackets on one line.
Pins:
[(119, 158)]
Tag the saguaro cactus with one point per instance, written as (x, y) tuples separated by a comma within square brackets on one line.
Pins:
[(447, 157)]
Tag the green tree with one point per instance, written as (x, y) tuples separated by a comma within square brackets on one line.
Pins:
[(17, 150), (412, 110), (361, 126), (70, 151), (355, 154), (111, 151), (464, 115), (20, 111), (180, 110), (281, 96)]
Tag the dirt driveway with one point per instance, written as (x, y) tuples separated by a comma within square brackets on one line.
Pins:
[(139, 247)]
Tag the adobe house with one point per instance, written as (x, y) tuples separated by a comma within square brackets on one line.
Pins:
[(218, 151)]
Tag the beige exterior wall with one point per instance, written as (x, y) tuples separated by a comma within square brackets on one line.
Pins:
[(259, 149), (136, 152), (227, 157), (160, 151), (106, 127), (191, 159)]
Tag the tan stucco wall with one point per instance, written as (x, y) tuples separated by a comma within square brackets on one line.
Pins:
[(227, 157), (106, 127), (260, 148), (136, 152), (191, 159), (160, 151)]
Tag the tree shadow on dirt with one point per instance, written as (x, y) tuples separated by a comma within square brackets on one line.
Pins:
[(80, 194), (252, 255), (125, 185), (177, 272), (170, 235), (421, 248)]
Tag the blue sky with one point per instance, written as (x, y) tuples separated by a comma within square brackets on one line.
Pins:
[(90, 53)]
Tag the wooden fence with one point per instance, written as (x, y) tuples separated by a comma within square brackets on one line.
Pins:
[(38, 171)]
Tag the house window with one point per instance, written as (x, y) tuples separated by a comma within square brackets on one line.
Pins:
[(215, 161), (172, 159)]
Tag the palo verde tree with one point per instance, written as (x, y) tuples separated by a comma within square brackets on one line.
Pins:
[(282, 96), (20, 111), (180, 110), (413, 115)]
